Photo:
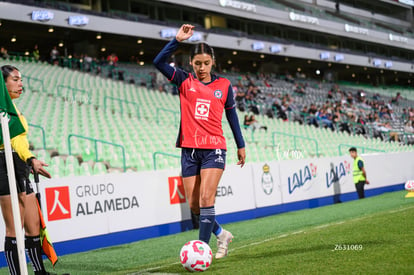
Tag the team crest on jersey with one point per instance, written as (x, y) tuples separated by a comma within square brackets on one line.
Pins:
[(202, 109), (218, 94)]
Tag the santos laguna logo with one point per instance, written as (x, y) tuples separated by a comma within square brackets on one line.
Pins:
[(90, 199)]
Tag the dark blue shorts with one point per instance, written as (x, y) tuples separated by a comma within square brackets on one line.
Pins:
[(193, 160)]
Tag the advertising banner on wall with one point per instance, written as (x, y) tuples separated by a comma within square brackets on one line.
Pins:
[(87, 206), (235, 190), (112, 202), (267, 185), (383, 169), (301, 179)]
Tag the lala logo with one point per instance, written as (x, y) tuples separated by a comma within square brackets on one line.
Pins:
[(300, 178), (337, 172)]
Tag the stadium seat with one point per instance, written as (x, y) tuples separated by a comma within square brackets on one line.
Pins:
[(99, 168)]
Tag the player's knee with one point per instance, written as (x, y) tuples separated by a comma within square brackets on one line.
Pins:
[(206, 200)]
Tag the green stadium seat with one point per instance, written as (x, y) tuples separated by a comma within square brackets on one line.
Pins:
[(85, 169), (99, 168)]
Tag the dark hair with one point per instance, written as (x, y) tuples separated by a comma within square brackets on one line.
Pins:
[(202, 48), (6, 70), (352, 149)]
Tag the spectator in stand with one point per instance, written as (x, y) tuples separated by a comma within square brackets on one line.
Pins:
[(252, 123), (343, 99), (350, 99), (36, 53), (241, 99), (252, 91), (3, 53), (112, 60), (246, 123), (325, 119), (302, 116), (411, 112), (404, 115), (395, 99), (87, 63), (383, 114), (289, 78), (391, 114), (54, 56), (300, 89), (266, 83), (281, 111), (409, 127), (312, 115), (330, 94), (383, 129), (360, 126), (338, 119)]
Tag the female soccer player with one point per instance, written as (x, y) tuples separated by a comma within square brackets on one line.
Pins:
[(203, 98), (24, 161)]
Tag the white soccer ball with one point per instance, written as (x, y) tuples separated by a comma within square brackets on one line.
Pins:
[(196, 255), (409, 185)]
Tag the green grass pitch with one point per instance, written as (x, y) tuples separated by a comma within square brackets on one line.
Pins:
[(370, 236)]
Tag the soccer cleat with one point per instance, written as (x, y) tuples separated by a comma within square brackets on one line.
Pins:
[(223, 240)]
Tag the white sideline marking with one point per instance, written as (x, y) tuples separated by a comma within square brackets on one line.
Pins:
[(401, 209), (270, 239)]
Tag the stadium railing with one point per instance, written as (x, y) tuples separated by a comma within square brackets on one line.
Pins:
[(96, 141)]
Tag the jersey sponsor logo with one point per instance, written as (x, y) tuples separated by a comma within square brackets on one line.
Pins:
[(177, 192), (58, 203), (192, 90), (202, 109), (218, 94)]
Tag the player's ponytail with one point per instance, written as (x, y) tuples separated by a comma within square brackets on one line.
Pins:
[(202, 48)]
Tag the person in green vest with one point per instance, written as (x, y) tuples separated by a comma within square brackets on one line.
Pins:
[(359, 173)]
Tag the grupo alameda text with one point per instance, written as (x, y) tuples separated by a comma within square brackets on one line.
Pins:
[(105, 204)]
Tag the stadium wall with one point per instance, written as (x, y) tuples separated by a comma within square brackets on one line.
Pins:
[(84, 213)]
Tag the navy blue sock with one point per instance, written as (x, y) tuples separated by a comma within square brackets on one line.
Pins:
[(207, 221), (217, 228)]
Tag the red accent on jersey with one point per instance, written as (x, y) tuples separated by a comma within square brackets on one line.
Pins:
[(202, 109)]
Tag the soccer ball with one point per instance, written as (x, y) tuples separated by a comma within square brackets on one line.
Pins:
[(196, 256)]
